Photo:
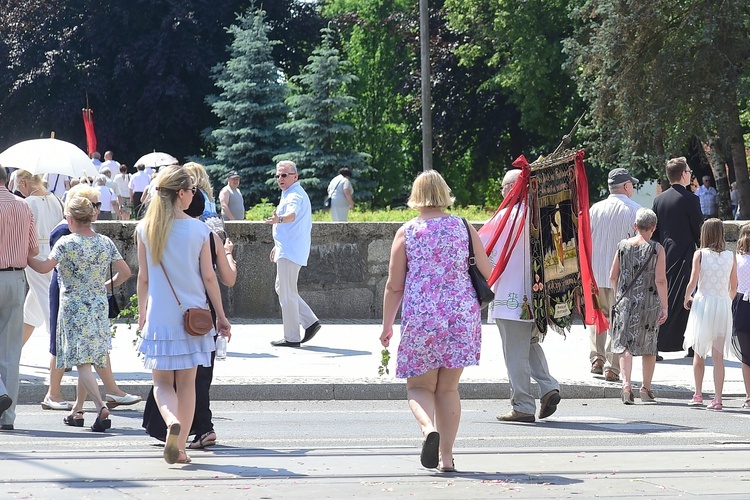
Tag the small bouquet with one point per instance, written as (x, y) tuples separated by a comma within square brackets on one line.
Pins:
[(385, 358)]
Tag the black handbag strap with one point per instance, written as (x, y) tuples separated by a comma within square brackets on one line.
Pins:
[(472, 260), (637, 275)]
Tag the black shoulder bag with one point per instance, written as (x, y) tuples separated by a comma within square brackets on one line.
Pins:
[(485, 295)]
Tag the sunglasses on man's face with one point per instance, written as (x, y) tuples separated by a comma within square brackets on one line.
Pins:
[(284, 175)]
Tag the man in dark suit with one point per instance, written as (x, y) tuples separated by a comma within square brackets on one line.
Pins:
[(678, 229)]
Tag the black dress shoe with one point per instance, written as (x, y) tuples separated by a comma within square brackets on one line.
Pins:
[(5, 403), (284, 343), (6, 427), (690, 353), (659, 358), (310, 332)]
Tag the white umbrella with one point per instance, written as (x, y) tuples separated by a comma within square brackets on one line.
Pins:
[(48, 156), (156, 160)]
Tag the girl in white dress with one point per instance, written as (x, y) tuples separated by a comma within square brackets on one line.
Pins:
[(709, 327), (173, 246)]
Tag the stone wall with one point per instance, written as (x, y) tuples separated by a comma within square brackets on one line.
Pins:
[(344, 278)]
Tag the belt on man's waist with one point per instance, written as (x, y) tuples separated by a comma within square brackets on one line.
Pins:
[(11, 269)]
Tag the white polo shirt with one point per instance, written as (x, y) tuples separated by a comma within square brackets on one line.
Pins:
[(292, 239), (139, 182)]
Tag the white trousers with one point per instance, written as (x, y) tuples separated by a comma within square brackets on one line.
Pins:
[(294, 310), (524, 359), (600, 344)]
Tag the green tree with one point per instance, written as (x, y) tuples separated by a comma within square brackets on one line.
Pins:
[(317, 104), (521, 42), (375, 42), (651, 90), (251, 107)]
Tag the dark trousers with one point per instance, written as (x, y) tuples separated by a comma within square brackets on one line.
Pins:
[(202, 418)]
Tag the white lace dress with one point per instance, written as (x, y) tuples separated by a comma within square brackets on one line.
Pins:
[(710, 319)]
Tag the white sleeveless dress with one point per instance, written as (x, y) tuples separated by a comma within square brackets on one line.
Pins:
[(711, 313)]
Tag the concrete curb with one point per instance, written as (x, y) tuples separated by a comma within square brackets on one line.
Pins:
[(34, 393)]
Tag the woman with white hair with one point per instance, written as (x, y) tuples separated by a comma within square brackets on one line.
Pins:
[(639, 279), (110, 207)]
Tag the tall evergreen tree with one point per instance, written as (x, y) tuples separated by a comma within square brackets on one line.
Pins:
[(250, 107), (318, 103)]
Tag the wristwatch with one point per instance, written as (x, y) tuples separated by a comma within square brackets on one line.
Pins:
[(281, 219)]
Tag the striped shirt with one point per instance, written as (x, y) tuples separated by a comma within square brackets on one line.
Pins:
[(612, 220), (17, 232)]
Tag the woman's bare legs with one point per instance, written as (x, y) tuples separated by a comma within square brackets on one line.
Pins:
[(718, 359), (87, 379), (176, 406), (648, 363), (447, 411), (699, 367), (55, 381), (108, 379), (626, 369), (27, 331), (420, 393)]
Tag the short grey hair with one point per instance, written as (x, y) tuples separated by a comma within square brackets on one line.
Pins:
[(101, 180), (287, 163), (106, 171), (618, 188), (645, 218)]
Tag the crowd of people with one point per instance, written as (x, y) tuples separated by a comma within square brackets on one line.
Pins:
[(666, 283)]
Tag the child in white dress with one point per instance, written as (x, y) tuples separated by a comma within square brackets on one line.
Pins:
[(709, 327)]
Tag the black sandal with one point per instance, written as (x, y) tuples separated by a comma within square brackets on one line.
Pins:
[(74, 420), (202, 441), (101, 424)]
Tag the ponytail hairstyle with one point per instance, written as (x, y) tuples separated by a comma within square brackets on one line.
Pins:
[(157, 223)]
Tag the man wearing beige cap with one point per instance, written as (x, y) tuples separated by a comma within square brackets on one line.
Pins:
[(611, 221)]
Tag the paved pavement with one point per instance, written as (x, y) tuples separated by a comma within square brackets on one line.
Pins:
[(342, 361)]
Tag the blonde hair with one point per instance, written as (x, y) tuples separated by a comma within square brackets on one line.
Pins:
[(157, 223), (430, 191), (712, 235), (25, 175), (80, 209), (82, 191), (201, 178), (743, 242)]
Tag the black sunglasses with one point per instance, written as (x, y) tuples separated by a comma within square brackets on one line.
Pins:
[(284, 175), (97, 205)]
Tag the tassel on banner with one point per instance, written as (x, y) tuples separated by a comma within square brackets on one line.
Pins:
[(88, 124)]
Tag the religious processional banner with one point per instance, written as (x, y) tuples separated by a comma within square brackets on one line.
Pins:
[(555, 189), (553, 228)]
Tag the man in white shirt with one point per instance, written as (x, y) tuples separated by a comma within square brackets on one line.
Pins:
[(109, 163), (292, 225), (612, 220), (138, 185), (707, 196), (122, 181), (57, 184), (524, 357)]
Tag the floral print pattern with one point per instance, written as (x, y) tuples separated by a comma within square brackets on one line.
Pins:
[(441, 320), (83, 324)]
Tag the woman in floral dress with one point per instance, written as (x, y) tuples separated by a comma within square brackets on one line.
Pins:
[(441, 323), (83, 261)]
